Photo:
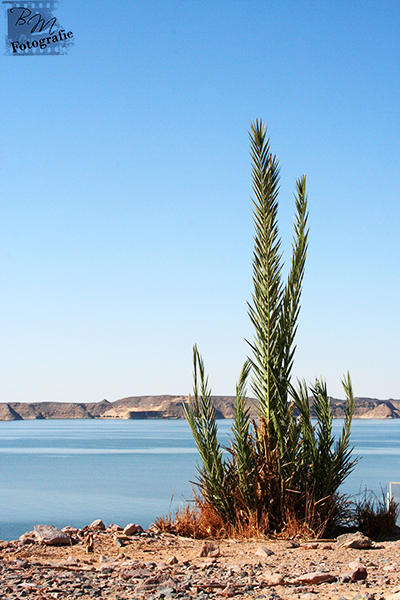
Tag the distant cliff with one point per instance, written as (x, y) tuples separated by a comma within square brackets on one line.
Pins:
[(169, 407)]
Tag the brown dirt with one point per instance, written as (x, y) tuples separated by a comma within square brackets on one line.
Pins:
[(382, 562)]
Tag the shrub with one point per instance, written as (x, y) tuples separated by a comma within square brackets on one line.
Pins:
[(281, 473), (374, 516)]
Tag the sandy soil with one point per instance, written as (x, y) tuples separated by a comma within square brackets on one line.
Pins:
[(230, 568)]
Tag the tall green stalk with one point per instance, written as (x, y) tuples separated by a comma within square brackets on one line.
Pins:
[(275, 308), (200, 415), (280, 468)]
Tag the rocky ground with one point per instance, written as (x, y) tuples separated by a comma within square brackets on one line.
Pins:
[(170, 407), (96, 563)]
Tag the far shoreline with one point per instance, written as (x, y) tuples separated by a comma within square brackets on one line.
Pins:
[(169, 407)]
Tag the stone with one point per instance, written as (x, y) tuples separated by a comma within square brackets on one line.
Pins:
[(50, 573), (355, 563), (206, 564), (171, 583), (70, 530), (106, 569), (148, 584), (358, 574), (357, 540), (314, 578), (358, 568), (97, 525), (292, 544), (165, 590), (28, 538), (136, 573), (106, 559), (209, 549), (89, 543), (132, 529), (263, 552), (115, 528), (51, 536), (22, 564), (229, 591), (344, 577), (271, 579)]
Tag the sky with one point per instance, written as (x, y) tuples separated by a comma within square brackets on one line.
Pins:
[(126, 231)]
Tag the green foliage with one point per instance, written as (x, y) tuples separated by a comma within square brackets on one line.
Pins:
[(200, 414), (323, 462), (275, 307), (282, 472)]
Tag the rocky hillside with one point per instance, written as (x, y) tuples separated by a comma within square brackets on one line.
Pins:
[(168, 407), (369, 408)]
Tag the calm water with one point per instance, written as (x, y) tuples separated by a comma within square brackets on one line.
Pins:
[(72, 472)]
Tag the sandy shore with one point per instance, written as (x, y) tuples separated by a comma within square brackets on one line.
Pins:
[(152, 565)]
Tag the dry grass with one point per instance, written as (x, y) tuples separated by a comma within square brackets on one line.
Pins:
[(311, 526), (200, 521), (368, 513), (375, 516), (204, 523)]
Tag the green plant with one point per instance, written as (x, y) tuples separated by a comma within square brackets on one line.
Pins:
[(200, 415), (323, 463), (275, 307), (282, 472)]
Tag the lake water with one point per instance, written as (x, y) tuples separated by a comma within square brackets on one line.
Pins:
[(72, 472)]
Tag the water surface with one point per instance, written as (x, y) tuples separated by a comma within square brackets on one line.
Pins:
[(73, 471)]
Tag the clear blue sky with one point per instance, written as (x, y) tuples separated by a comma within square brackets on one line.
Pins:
[(125, 213)]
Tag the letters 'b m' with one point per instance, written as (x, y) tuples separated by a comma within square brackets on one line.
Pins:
[(21, 19), (25, 12), (40, 23)]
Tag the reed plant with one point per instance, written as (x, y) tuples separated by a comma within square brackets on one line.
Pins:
[(281, 472)]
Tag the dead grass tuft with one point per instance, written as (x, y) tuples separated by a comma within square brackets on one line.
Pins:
[(374, 516), (200, 521)]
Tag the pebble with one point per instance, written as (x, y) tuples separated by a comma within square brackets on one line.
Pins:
[(208, 575), (263, 552)]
